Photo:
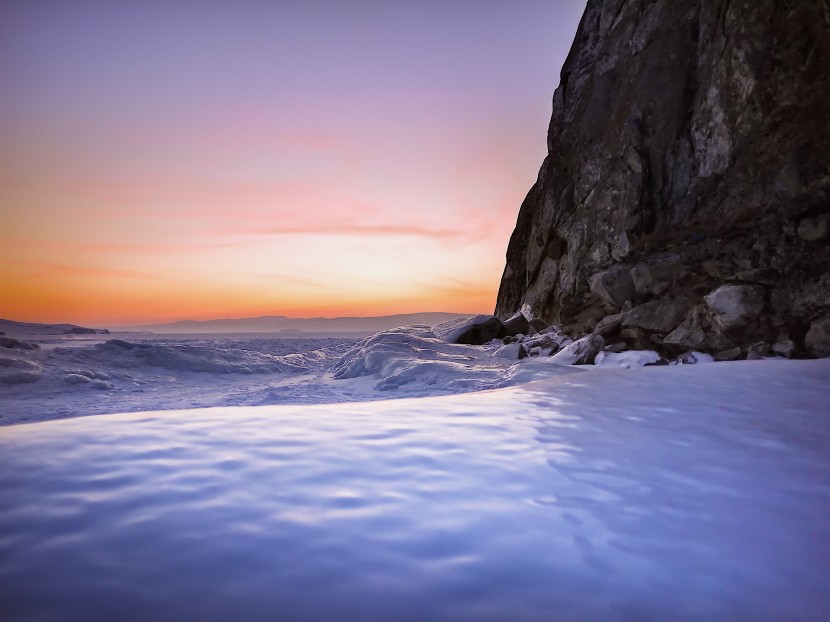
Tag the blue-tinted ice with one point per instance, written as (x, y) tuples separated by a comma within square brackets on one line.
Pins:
[(685, 493)]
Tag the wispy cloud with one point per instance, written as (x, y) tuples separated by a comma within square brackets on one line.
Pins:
[(355, 229)]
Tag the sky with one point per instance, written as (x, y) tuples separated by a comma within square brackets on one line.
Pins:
[(181, 159)]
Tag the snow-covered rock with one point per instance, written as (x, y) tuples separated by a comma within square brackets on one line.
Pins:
[(476, 330), (511, 351), (18, 370), (692, 358), (580, 352), (627, 359)]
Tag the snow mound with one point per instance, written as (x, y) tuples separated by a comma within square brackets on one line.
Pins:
[(415, 359), (412, 354)]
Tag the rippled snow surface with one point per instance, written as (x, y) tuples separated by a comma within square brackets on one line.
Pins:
[(685, 493)]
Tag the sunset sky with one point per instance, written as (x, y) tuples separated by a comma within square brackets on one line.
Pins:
[(170, 160)]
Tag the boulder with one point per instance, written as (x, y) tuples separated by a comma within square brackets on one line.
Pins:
[(8, 342), (689, 334), (580, 352), (732, 354), (613, 286), (476, 330), (758, 351), (735, 306), (814, 229), (785, 348), (516, 324), (817, 339), (660, 316), (545, 341), (609, 324), (642, 278), (539, 325)]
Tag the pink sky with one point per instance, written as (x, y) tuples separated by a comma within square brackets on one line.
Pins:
[(236, 159)]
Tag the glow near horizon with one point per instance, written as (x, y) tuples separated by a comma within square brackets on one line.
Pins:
[(161, 163)]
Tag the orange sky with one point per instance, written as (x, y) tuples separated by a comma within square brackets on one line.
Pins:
[(150, 173)]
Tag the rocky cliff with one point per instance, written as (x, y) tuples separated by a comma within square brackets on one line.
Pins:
[(685, 199)]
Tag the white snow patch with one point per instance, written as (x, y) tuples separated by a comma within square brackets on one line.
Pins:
[(510, 351), (627, 359)]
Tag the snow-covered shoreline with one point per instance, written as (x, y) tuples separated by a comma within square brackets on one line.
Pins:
[(55, 377)]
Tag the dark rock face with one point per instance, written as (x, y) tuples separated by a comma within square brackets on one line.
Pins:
[(689, 149), (818, 337), (476, 330), (516, 325)]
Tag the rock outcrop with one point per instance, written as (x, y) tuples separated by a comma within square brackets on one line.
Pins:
[(688, 169)]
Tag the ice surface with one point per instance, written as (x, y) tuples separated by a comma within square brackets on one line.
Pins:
[(135, 372), (153, 372), (693, 492)]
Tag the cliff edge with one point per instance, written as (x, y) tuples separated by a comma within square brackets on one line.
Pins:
[(685, 200)]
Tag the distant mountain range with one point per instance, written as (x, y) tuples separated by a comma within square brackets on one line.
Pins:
[(280, 323), (11, 327)]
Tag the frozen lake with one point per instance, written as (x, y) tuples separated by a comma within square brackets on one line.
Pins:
[(664, 493), (78, 375)]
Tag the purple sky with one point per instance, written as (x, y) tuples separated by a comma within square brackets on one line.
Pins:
[(180, 159)]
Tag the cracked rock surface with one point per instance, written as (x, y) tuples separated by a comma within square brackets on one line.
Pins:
[(688, 150)]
